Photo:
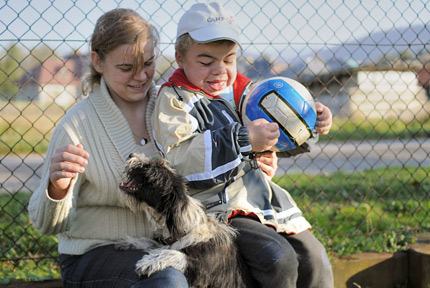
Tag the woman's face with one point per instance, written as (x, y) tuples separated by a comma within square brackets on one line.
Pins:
[(117, 71)]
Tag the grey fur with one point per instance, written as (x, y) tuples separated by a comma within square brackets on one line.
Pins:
[(197, 244)]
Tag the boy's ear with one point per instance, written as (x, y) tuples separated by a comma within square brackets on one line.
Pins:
[(97, 62), (179, 60)]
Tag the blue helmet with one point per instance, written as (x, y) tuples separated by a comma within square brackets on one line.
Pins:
[(286, 102)]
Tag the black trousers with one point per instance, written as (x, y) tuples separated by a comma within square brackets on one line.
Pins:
[(105, 267), (280, 260)]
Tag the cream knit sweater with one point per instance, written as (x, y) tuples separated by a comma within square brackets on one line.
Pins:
[(92, 213)]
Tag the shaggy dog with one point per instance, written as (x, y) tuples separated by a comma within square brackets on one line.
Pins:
[(198, 245)]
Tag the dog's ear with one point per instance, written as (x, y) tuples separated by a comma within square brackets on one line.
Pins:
[(172, 196), (162, 185), (144, 180), (162, 188), (175, 202)]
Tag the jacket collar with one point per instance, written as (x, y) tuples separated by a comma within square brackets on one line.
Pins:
[(179, 78)]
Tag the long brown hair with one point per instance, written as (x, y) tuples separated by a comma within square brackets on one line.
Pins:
[(114, 28)]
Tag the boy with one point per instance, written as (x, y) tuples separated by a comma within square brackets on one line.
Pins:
[(196, 125)]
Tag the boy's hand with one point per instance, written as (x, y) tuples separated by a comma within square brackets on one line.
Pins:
[(324, 119), (268, 162), (262, 134), (66, 163)]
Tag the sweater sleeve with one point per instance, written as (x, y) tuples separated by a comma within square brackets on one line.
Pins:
[(48, 215)]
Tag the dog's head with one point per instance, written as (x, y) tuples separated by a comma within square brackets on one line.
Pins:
[(153, 182)]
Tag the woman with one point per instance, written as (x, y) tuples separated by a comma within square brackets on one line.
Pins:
[(78, 197)]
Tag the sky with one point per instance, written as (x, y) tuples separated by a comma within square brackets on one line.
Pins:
[(278, 26)]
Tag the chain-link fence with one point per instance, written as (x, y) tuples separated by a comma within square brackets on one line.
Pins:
[(369, 61)]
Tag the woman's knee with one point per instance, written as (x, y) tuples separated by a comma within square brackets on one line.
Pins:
[(168, 277)]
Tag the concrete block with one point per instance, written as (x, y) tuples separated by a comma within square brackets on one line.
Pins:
[(370, 270), (419, 265)]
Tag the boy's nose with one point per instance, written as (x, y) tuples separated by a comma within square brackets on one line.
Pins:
[(220, 68)]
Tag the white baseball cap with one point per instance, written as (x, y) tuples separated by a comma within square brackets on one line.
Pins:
[(208, 22)]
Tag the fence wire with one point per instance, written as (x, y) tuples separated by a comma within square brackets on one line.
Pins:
[(368, 61)]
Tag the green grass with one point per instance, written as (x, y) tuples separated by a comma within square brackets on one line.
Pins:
[(347, 130), (27, 127), (372, 211), (25, 255)]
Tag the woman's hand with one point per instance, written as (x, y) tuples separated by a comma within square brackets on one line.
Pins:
[(324, 119), (66, 163), (268, 162)]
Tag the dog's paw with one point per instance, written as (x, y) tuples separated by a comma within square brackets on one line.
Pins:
[(159, 259)]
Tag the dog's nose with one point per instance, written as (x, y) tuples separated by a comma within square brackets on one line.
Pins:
[(131, 155)]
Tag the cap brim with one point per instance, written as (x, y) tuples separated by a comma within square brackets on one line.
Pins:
[(220, 32)]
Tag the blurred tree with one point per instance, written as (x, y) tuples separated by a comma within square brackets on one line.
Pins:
[(407, 55), (15, 61), (10, 70)]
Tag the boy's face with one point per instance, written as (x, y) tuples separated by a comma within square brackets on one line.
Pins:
[(210, 66)]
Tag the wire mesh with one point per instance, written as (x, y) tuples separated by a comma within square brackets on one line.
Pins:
[(368, 61)]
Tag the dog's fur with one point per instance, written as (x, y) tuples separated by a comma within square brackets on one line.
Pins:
[(200, 246)]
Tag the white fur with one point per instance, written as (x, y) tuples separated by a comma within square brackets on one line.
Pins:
[(159, 259)]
